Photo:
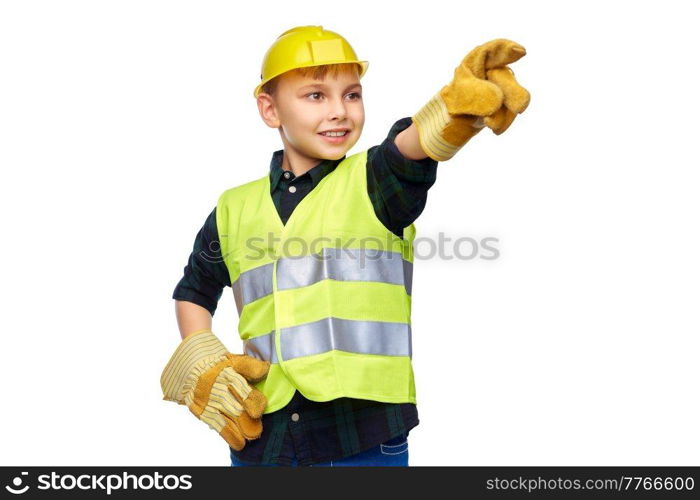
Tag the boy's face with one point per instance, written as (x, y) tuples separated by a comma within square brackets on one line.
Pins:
[(302, 108)]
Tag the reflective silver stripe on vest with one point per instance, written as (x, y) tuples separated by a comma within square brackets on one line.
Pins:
[(341, 264), (262, 347), (345, 264), (253, 284), (364, 337)]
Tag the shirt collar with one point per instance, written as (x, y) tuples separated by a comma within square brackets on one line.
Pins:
[(318, 172)]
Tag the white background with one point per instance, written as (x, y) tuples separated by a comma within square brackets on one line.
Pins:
[(122, 122)]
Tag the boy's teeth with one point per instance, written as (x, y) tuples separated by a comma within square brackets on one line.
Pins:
[(334, 134)]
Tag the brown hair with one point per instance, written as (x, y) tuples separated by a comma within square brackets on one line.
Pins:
[(315, 72)]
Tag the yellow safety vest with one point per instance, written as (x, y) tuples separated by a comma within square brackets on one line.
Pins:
[(325, 298)]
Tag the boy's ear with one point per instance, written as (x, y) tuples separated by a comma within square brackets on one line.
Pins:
[(268, 111)]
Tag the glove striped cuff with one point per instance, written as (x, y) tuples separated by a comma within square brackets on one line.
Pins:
[(431, 120), (199, 348)]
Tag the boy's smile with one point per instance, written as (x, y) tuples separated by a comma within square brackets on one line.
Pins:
[(317, 119)]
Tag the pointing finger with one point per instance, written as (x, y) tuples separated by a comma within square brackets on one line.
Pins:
[(493, 54)]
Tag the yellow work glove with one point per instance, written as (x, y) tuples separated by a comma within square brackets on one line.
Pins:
[(213, 383), (483, 92)]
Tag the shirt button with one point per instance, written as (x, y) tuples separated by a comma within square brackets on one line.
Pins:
[(287, 175), (295, 417), (292, 189)]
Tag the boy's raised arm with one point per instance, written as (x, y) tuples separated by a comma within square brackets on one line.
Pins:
[(408, 144)]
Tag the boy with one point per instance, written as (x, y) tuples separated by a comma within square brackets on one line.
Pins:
[(323, 287)]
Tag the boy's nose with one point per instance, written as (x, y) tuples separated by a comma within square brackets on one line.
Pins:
[(337, 110)]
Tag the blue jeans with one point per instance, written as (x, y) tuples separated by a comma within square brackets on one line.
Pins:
[(392, 453)]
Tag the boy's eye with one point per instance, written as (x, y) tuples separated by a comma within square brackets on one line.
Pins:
[(353, 95)]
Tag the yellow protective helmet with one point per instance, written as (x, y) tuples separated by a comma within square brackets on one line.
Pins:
[(306, 46)]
